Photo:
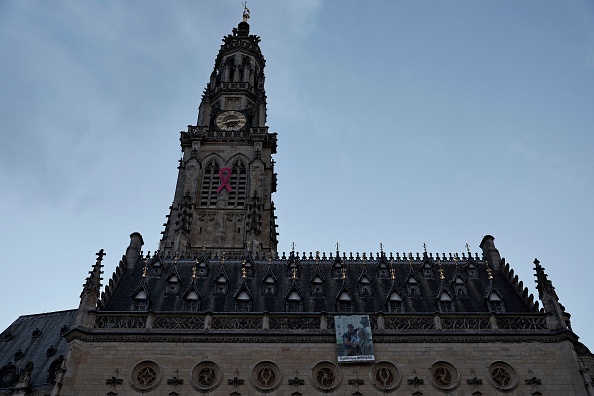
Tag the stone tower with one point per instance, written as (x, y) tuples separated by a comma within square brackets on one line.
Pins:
[(226, 176)]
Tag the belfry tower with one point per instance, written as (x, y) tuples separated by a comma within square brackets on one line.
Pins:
[(226, 176)]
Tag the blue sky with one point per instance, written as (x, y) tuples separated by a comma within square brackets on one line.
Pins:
[(399, 122)]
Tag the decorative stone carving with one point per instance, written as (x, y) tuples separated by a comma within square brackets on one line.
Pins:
[(146, 376), (326, 376), (502, 376), (444, 376), (206, 376), (385, 376), (266, 377)]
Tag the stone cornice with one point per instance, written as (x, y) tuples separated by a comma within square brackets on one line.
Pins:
[(271, 337)]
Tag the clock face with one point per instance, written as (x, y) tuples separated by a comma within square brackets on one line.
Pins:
[(230, 121)]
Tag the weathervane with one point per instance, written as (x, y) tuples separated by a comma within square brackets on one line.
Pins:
[(246, 11)]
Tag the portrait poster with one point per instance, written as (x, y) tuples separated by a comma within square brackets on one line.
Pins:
[(354, 342)]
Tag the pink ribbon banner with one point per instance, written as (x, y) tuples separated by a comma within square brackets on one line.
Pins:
[(225, 175)]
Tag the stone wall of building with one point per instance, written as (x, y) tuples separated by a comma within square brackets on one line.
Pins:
[(254, 368)]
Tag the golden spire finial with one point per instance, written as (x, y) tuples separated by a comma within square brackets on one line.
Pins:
[(343, 273), (489, 272), (441, 275), (456, 259), (243, 273), (246, 12), (203, 246), (176, 258), (223, 258), (410, 259), (424, 247), (392, 273), (269, 258), (294, 272), (144, 271), (317, 257), (194, 272)]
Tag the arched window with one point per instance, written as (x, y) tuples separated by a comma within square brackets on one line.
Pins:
[(238, 183), (210, 183)]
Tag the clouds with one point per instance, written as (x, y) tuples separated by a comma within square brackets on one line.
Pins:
[(399, 123)]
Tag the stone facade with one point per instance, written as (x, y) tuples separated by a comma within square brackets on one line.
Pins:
[(534, 367)]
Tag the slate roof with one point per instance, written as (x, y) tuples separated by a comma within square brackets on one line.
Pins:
[(37, 339), (219, 285)]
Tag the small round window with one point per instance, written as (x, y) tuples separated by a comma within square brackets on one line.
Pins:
[(206, 376), (266, 377), (145, 376), (502, 376), (444, 376), (385, 376), (326, 376)]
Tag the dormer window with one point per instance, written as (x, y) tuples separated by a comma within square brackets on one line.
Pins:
[(221, 285), (192, 302), (140, 302), (460, 287), (445, 303), (243, 302), (364, 286), (412, 287), (395, 303), (317, 286), (294, 303), (428, 273), (344, 303), (495, 303), (269, 286), (202, 269), (471, 270), (173, 285)]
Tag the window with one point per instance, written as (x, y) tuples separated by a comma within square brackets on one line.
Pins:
[(243, 303), (460, 287), (495, 303), (210, 183), (269, 286), (411, 287), (344, 303), (294, 302), (395, 303), (445, 303), (364, 286), (317, 286), (140, 302), (221, 287), (192, 302), (238, 183)]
